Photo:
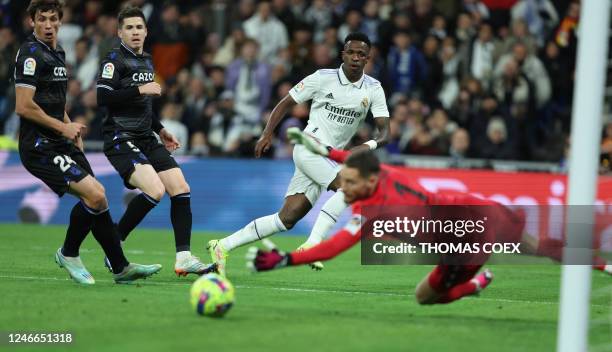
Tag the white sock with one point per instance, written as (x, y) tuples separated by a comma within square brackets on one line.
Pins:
[(330, 212), (255, 230), (182, 255)]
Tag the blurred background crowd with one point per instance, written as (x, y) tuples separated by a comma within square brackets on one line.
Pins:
[(489, 79)]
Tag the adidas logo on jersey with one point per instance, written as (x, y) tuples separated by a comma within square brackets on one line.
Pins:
[(330, 96)]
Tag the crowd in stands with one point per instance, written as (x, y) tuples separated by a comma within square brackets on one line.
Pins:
[(464, 78)]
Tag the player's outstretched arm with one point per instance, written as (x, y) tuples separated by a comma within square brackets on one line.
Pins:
[(259, 260), (265, 141), (26, 107)]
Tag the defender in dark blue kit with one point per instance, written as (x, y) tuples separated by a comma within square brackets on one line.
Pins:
[(126, 87), (51, 148)]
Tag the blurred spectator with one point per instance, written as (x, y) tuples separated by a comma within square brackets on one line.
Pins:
[(194, 102), (540, 15), (464, 29), (319, 16), (405, 65), (519, 34), (216, 81), (331, 41), (476, 9), (282, 11), (225, 127), (496, 144), (480, 59), (422, 15), (435, 74), (85, 66), (352, 23), (300, 49), (68, 35), (400, 21), (269, 32), (376, 64), (513, 90), (231, 47), (459, 145), (449, 89), (531, 67), (566, 33), (249, 79), (243, 11), (371, 21), (395, 134), (170, 51), (438, 27), (440, 128), (562, 84), (107, 35), (170, 116)]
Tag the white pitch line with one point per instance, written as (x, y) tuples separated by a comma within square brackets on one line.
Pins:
[(296, 289)]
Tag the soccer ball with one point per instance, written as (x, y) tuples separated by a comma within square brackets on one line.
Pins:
[(212, 295)]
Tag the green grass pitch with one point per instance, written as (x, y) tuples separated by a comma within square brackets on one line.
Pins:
[(346, 307)]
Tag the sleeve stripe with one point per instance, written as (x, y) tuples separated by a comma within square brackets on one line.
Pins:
[(104, 86), (23, 85)]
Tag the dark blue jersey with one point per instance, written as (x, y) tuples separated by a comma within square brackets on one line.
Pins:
[(129, 113), (43, 69)]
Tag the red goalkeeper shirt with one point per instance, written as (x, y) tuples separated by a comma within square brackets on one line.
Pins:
[(393, 189)]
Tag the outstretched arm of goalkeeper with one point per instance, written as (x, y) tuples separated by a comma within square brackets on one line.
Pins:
[(344, 239)]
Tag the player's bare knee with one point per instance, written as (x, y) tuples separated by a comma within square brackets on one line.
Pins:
[(158, 191), (96, 197), (182, 188), (287, 218)]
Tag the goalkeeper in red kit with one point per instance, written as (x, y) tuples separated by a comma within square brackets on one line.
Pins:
[(368, 184)]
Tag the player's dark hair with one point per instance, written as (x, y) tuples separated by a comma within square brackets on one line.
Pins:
[(365, 161), (128, 12), (44, 6), (358, 36)]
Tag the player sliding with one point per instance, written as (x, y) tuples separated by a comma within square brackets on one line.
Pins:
[(126, 87), (368, 183), (51, 148), (341, 99)]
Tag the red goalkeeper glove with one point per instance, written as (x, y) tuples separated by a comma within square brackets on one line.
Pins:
[(259, 260)]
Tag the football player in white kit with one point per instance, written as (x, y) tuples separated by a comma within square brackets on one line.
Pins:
[(341, 99)]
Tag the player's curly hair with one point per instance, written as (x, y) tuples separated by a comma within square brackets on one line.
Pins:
[(358, 36), (44, 6), (365, 161)]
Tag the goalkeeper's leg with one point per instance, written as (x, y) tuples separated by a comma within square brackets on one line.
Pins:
[(448, 283)]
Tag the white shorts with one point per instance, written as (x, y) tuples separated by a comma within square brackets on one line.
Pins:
[(313, 174)]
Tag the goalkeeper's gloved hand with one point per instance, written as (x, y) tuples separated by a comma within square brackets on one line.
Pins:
[(259, 260)]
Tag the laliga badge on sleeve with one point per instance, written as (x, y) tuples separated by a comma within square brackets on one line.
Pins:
[(29, 66), (108, 71)]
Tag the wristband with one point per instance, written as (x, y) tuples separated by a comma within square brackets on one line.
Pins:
[(372, 144)]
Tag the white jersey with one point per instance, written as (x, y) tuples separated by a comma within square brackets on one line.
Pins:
[(339, 105)]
